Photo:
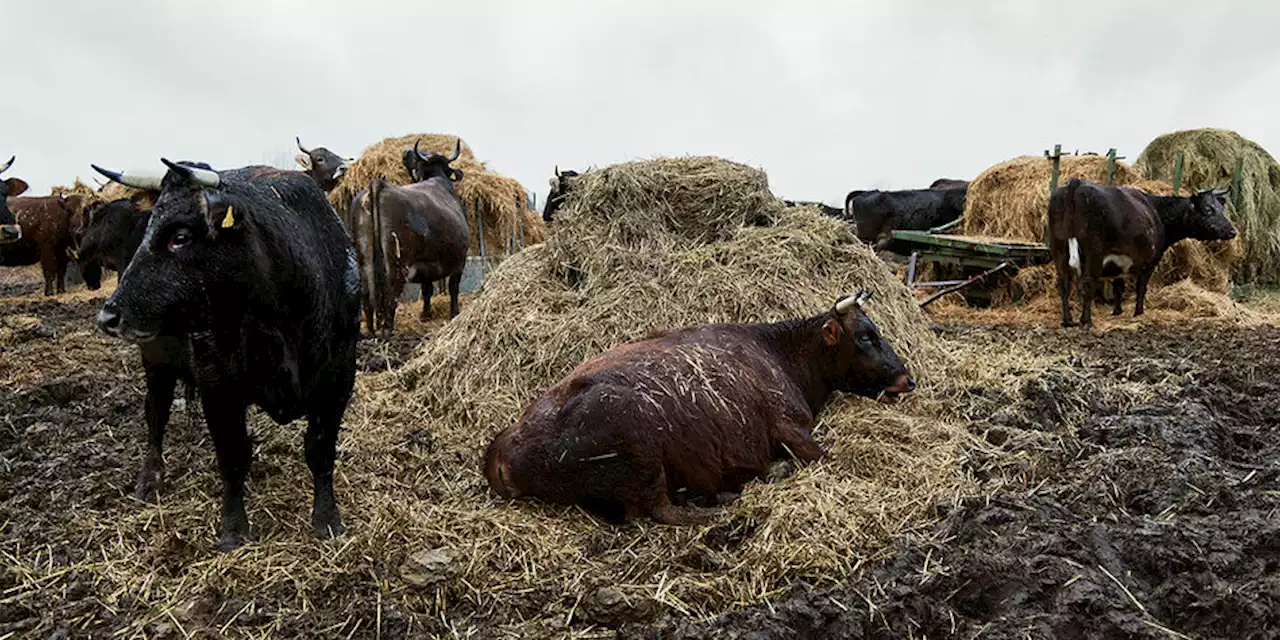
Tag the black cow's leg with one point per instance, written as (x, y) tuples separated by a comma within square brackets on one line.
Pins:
[(455, 286), (1143, 278), (1088, 286), (1117, 290), (321, 446), (226, 420), (367, 307), (160, 385), (428, 290), (1064, 291)]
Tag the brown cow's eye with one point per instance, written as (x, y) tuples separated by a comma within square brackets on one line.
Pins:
[(180, 239)]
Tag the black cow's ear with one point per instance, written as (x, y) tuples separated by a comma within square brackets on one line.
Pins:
[(455, 174), (16, 187), (223, 215)]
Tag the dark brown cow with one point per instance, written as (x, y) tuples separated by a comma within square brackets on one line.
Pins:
[(46, 223), (693, 413), (1104, 233), (10, 188), (415, 233)]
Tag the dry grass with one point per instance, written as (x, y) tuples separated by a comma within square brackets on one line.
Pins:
[(498, 201), (1210, 157)]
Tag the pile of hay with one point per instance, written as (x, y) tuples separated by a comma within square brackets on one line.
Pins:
[(500, 202), (1011, 200), (669, 243), (1209, 161)]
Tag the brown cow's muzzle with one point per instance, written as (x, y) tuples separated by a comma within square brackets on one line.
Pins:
[(903, 384), (10, 233)]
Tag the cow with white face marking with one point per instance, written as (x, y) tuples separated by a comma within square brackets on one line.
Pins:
[(252, 270), (323, 165), (1099, 233)]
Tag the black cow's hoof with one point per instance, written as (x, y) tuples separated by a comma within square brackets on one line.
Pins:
[(326, 529), (148, 486), (230, 540), (1116, 312), (1067, 324)]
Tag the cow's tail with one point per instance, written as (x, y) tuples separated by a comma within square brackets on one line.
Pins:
[(381, 286), (1069, 212)]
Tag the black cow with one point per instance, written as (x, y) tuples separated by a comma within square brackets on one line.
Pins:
[(9, 188), (113, 231), (323, 165), (415, 233), (948, 183), (560, 184), (254, 271), (877, 213), (1103, 233)]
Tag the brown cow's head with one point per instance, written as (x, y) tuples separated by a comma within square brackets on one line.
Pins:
[(1207, 220), (423, 165), (857, 358), (11, 188), (323, 165)]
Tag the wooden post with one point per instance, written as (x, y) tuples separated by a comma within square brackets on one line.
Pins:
[(1111, 166), (1237, 183), (1177, 174), (480, 229), (1056, 158)]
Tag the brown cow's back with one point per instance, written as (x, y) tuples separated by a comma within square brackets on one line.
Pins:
[(46, 223)]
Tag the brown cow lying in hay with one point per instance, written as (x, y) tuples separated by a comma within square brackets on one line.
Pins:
[(697, 411)]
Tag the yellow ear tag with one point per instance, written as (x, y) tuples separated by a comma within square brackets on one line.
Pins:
[(228, 221), (453, 176)]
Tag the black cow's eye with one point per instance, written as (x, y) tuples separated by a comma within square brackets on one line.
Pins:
[(180, 239)]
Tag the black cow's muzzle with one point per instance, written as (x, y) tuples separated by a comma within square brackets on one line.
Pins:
[(111, 322), (10, 233)]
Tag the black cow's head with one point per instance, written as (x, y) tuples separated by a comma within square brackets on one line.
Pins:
[(423, 165), (559, 191), (872, 220), (194, 252), (323, 165), (109, 229), (1207, 220), (10, 188), (857, 358)]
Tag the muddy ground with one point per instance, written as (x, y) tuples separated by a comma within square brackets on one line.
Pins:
[(1135, 492)]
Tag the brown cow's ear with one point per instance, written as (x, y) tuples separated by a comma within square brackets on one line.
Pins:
[(832, 331), (16, 187)]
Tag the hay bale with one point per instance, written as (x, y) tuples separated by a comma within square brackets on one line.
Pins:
[(113, 191), (1209, 161), (1011, 199), (670, 243), (499, 201)]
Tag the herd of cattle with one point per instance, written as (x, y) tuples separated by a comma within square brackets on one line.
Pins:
[(248, 286)]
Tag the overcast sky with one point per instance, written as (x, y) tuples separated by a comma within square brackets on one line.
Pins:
[(826, 96)]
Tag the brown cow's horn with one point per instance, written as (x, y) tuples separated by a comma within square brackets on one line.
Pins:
[(137, 180), (202, 177), (8, 164), (457, 150), (863, 298), (300, 147), (847, 303)]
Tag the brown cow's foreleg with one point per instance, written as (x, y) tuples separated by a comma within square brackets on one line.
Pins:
[(1143, 278), (1117, 290), (428, 290), (61, 260), (48, 268)]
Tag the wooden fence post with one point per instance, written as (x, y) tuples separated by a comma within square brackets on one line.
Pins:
[(1056, 158), (1177, 174)]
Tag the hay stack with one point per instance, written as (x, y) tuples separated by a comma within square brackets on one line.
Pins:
[(1209, 161), (1011, 200), (498, 200), (669, 243)]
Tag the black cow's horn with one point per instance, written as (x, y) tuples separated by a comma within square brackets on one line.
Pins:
[(845, 304), (202, 177), (300, 147), (557, 170), (8, 164), (457, 150), (137, 180), (416, 152)]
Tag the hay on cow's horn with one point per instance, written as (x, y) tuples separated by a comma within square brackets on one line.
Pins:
[(1209, 160), (1011, 200), (670, 243), (498, 200)]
